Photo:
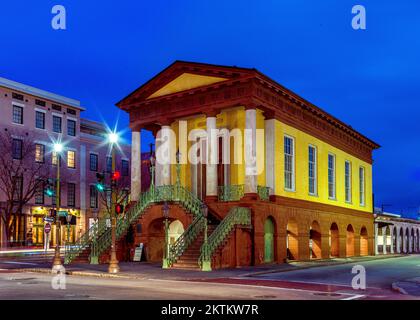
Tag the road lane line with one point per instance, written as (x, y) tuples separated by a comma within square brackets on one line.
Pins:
[(357, 296)]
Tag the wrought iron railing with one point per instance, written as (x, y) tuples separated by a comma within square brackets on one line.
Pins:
[(263, 192), (100, 240), (184, 241), (230, 192), (236, 216)]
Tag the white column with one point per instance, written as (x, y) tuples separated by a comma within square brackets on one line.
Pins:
[(135, 165), (376, 239), (250, 151), (164, 155), (384, 236), (270, 143), (212, 157), (392, 239), (410, 242), (398, 240)]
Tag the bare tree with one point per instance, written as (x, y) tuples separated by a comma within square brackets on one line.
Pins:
[(121, 190), (20, 174)]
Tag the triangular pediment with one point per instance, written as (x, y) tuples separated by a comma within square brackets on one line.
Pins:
[(186, 81)]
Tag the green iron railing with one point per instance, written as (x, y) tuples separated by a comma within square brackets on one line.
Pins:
[(263, 192), (100, 240), (236, 216), (230, 192), (184, 241)]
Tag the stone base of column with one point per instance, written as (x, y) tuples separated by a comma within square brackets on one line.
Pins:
[(250, 197), (211, 198)]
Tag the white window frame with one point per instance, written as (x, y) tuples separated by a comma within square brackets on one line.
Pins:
[(315, 171), (45, 119), (362, 187), (334, 196), (348, 190), (293, 188), (74, 159)]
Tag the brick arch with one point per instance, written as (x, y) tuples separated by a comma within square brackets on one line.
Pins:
[(292, 239), (364, 241), (334, 239), (350, 241), (315, 239)]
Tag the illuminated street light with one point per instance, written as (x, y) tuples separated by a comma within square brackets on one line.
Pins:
[(113, 137), (58, 147)]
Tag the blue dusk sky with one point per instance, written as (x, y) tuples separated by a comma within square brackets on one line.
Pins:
[(369, 78)]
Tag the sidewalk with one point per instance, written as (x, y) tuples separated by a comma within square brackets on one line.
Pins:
[(145, 270)]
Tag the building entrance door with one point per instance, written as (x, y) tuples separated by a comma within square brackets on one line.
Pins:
[(268, 241)]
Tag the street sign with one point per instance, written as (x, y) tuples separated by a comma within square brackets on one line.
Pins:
[(49, 219), (47, 228), (62, 213)]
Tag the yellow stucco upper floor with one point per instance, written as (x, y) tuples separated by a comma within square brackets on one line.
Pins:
[(234, 118)]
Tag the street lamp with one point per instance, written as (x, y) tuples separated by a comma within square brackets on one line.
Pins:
[(165, 212), (152, 167), (113, 263), (58, 148), (68, 218), (178, 167), (206, 263)]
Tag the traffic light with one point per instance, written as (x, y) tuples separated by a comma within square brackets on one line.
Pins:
[(49, 188), (119, 208), (116, 175), (100, 177)]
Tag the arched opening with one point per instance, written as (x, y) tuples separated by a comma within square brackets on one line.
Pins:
[(364, 243), (156, 241), (292, 240), (350, 241), (334, 240), (412, 248), (387, 248), (269, 230), (315, 241), (401, 244), (380, 241), (175, 230), (394, 239)]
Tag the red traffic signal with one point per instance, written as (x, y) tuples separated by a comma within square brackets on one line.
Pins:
[(116, 175), (119, 208)]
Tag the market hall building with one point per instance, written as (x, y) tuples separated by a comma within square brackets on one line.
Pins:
[(296, 184)]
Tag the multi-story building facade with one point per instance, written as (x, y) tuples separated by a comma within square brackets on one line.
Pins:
[(34, 116), (304, 177), (247, 172)]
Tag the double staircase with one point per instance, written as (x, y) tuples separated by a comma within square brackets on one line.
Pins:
[(190, 251)]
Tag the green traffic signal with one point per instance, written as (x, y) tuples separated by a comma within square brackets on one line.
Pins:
[(100, 187)]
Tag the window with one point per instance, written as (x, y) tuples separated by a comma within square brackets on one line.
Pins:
[(39, 120), (39, 152), (71, 194), (124, 168), (71, 127), (54, 158), (18, 185), (17, 96), (312, 158), (54, 197), (331, 176), (57, 124), (362, 186), (108, 164), (40, 102), (39, 192), (93, 197), (93, 162), (17, 149), (17, 114), (289, 164), (56, 107), (71, 159), (347, 180), (71, 111)]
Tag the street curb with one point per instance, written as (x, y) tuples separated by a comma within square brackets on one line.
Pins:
[(81, 273)]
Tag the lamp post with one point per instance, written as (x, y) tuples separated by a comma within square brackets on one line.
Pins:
[(152, 168), (94, 255), (206, 263), (178, 168), (113, 263), (58, 148), (165, 212), (68, 218)]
